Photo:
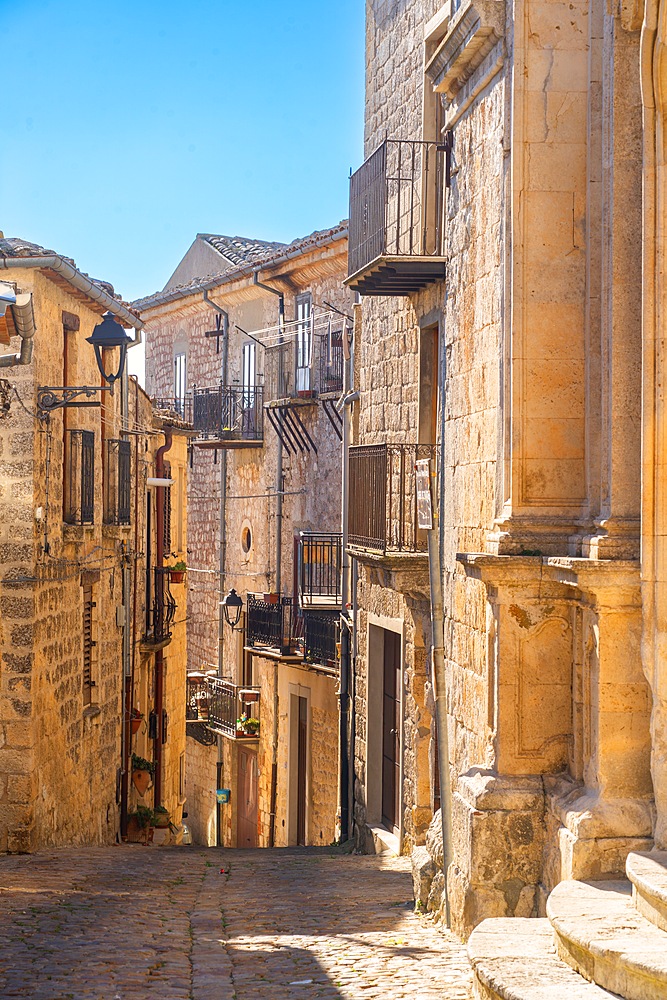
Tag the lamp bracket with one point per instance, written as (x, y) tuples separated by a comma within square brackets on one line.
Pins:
[(55, 397)]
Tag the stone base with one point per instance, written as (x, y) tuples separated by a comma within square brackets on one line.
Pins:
[(587, 838), (498, 841)]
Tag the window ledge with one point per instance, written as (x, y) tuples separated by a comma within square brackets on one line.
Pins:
[(475, 28), (92, 711)]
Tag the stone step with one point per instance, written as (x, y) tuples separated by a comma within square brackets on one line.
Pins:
[(647, 870), (601, 935), (514, 958)]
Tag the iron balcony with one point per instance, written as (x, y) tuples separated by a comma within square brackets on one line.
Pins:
[(396, 219), (223, 707)]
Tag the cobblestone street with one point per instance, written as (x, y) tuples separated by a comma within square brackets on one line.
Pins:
[(130, 922)]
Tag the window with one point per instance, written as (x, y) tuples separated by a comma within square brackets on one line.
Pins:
[(180, 374), (80, 477), (117, 482), (303, 342), (166, 533)]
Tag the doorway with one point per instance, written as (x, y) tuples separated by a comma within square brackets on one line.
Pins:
[(298, 763), (391, 730), (246, 814)]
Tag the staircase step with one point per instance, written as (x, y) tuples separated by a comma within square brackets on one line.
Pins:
[(599, 933), (647, 870), (514, 958)]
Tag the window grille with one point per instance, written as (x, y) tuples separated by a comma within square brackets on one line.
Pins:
[(117, 482), (80, 477), (88, 644)]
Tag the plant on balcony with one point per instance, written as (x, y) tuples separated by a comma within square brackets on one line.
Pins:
[(142, 772), (135, 721), (247, 726), (177, 571)]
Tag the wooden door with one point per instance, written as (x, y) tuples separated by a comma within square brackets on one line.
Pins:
[(246, 806), (391, 730), (302, 760)]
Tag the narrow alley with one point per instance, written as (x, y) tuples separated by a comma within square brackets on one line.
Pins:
[(128, 923)]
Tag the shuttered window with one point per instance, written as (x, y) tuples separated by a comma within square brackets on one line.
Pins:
[(88, 644)]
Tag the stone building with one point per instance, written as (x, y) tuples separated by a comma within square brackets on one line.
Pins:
[(496, 240), (247, 340), (79, 642)]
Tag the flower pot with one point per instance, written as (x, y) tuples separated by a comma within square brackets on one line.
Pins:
[(141, 780), (162, 820), (177, 575), (271, 598), (135, 725)]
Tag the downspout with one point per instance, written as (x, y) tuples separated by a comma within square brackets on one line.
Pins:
[(126, 644), (347, 623), (24, 321), (222, 553), (132, 621), (159, 656), (279, 555)]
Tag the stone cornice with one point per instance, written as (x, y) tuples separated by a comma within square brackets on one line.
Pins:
[(477, 26)]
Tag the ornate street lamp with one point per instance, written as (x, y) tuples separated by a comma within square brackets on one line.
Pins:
[(232, 605), (107, 335)]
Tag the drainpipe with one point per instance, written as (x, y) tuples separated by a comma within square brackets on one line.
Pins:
[(440, 679), (279, 556), (126, 640), (222, 553), (24, 321), (159, 656)]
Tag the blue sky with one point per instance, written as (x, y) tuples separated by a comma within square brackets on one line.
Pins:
[(131, 126)]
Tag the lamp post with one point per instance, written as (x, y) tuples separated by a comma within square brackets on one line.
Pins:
[(107, 335), (232, 605)]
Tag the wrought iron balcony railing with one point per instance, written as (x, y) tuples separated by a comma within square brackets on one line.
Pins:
[(160, 607), (306, 365), (179, 406), (228, 413), (269, 623), (320, 560), (223, 707), (396, 219), (321, 637), (383, 497)]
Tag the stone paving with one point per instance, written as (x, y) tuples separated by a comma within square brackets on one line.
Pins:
[(132, 922)]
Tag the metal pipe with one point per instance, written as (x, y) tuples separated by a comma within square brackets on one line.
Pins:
[(24, 321), (126, 644), (440, 681), (222, 557), (159, 657), (92, 289)]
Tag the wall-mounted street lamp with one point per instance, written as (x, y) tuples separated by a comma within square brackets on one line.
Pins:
[(107, 335), (232, 605)]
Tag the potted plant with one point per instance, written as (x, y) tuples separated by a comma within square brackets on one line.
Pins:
[(135, 721), (251, 726), (140, 825), (161, 817), (177, 572), (142, 772)]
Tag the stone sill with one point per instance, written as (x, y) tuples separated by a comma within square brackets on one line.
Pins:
[(476, 27), (390, 560)]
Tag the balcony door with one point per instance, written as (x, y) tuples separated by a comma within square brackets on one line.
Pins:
[(303, 342), (391, 731), (246, 806)]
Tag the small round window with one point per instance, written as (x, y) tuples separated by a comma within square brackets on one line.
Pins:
[(246, 538)]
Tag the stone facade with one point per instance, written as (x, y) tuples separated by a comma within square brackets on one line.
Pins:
[(243, 478), (539, 424), (71, 594)]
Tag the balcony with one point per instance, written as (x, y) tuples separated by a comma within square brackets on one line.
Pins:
[(269, 624), (160, 609), (227, 416), (307, 365), (320, 560), (396, 219), (321, 637), (222, 707), (383, 498)]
